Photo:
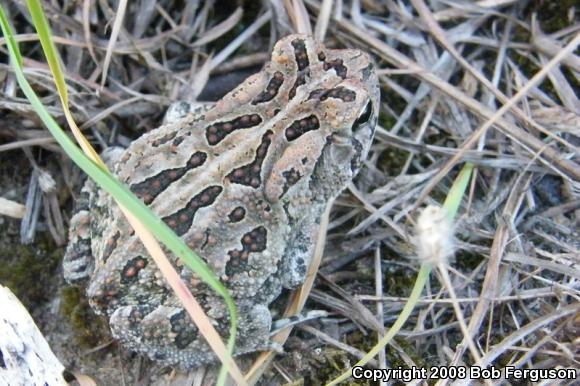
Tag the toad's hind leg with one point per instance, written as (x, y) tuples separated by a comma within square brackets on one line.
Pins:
[(299, 252), (167, 334), (163, 333), (78, 262)]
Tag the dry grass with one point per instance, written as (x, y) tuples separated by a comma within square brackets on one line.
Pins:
[(446, 68)]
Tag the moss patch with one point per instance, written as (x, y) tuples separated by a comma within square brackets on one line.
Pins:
[(28, 270), (89, 329)]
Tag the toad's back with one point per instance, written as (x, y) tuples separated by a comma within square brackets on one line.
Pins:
[(244, 185)]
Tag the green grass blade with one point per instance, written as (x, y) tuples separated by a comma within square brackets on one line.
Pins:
[(52, 58), (451, 205), (420, 282), (453, 199)]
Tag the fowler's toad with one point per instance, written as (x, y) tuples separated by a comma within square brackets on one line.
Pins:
[(244, 185)]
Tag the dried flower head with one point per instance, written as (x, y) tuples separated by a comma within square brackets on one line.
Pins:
[(45, 181), (434, 236)]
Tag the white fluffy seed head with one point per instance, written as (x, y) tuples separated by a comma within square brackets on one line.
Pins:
[(434, 236), (46, 182)]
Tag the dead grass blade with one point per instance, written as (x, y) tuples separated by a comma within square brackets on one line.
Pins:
[(241, 38), (495, 117), (220, 29), (117, 23), (500, 241), (87, 29), (323, 19), (550, 48), (566, 311), (11, 208), (298, 16)]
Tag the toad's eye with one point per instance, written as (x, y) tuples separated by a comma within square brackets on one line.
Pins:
[(364, 117)]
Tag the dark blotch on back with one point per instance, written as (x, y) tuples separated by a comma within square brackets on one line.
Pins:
[(253, 241), (337, 65), (130, 272), (303, 63), (300, 80), (181, 220), (250, 174), (301, 126), (237, 214), (184, 328), (300, 54), (291, 177), (271, 90), (111, 245), (216, 132), (340, 92), (150, 188), (166, 138), (177, 141)]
